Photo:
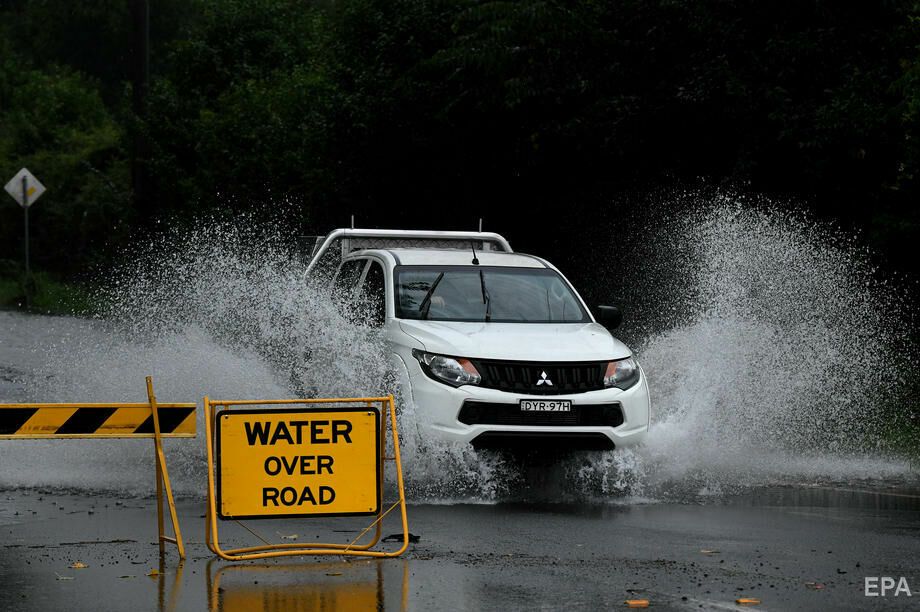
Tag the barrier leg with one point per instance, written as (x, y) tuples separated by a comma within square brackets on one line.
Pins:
[(211, 537), (207, 524), (397, 457), (159, 475), (163, 480)]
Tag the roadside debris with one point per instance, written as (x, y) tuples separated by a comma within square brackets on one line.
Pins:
[(59, 577), (708, 551), (815, 586), (78, 565), (747, 601), (636, 603), (293, 536), (397, 537)]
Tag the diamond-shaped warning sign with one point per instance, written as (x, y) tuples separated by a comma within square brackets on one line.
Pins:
[(33, 188)]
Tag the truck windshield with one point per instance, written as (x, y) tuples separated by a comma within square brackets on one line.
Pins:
[(486, 293)]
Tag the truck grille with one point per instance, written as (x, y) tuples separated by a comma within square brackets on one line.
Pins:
[(526, 377), (487, 413)]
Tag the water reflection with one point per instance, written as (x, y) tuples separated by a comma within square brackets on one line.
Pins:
[(305, 587), (899, 499), (167, 599)]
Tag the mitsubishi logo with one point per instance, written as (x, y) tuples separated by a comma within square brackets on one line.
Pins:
[(544, 380)]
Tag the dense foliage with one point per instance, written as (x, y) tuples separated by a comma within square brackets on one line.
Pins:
[(437, 112)]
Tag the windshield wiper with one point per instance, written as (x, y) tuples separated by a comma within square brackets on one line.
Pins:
[(426, 301), (486, 298)]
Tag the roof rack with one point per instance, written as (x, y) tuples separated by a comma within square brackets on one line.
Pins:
[(359, 239)]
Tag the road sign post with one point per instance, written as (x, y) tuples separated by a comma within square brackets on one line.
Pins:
[(25, 189), (25, 210)]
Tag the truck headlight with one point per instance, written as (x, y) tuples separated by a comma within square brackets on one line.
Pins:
[(622, 373), (454, 371)]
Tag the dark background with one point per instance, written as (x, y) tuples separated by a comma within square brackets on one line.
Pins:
[(550, 120)]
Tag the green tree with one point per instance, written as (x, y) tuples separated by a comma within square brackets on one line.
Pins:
[(239, 116), (54, 122)]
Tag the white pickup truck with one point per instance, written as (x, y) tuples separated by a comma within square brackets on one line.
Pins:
[(499, 349)]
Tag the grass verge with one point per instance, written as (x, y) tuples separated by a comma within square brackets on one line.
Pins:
[(49, 295)]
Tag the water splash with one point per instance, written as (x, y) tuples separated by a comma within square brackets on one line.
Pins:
[(772, 356), (223, 310), (782, 362)]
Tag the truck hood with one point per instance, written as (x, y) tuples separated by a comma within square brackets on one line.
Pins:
[(517, 341)]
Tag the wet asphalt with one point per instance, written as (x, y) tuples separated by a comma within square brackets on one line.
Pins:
[(792, 548)]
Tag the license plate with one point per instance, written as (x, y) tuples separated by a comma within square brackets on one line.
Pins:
[(546, 405)]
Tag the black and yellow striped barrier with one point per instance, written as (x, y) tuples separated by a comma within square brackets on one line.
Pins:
[(117, 420), (95, 421)]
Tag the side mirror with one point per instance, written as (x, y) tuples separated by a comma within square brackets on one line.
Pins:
[(609, 316)]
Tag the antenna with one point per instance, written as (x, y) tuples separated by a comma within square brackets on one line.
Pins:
[(352, 222), (480, 224), (475, 259)]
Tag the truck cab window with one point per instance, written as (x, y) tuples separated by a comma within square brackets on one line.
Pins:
[(344, 285), (372, 297)]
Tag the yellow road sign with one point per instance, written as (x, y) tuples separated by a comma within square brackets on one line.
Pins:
[(295, 463), (34, 188)]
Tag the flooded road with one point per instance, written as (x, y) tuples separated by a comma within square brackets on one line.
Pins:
[(802, 548)]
